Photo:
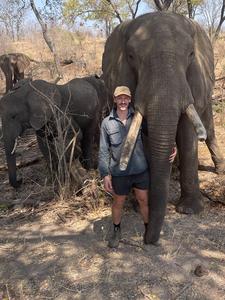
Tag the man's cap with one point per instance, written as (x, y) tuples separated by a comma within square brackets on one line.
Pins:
[(122, 90)]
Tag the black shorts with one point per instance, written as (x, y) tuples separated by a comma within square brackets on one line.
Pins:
[(122, 185)]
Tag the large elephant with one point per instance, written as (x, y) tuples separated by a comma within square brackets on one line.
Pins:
[(40, 105), (13, 66), (167, 62)]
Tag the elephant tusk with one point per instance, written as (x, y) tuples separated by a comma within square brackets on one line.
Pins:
[(197, 123), (130, 141), (14, 148)]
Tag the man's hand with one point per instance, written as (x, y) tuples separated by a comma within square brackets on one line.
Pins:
[(173, 154), (107, 180)]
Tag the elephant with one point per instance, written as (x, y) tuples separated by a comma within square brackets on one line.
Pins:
[(13, 66), (40, 105), (167, 62)]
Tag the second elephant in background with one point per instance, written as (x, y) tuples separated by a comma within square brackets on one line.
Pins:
[(85, 99), (42, 106), (13, 66)]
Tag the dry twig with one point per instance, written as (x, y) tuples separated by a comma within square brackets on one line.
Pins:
[(182, 290), (133, 244)]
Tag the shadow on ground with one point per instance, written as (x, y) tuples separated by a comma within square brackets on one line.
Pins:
[(42, 260)]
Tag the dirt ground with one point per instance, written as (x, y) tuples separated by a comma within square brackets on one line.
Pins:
[(58, 249)]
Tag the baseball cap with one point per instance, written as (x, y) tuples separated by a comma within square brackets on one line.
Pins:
[(122, 90)]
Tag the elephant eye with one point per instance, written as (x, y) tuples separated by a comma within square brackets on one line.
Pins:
[(192, 55), (130, 56)]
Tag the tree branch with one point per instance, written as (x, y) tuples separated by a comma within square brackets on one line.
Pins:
[(163, 4), (117, 14), (222, 19), (48, 40), (190, 9), (137, 6)]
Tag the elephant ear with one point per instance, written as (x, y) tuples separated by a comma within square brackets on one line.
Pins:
[(200, 74), (44, 102), (115, 67), (23, 62), (5, 65)]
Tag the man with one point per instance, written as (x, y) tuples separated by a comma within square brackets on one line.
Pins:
[(114, 130)]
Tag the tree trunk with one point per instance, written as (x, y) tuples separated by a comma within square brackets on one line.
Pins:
[(48, 41)]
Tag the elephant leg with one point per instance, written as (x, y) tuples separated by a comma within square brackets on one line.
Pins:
[(8, 72), (211, 141), (18, 76), (47, 150), (87, 146), (191, 198), (8, 78)]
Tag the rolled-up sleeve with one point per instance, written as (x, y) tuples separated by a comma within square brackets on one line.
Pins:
[(104, 151)]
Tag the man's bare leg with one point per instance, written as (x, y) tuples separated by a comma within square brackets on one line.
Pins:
[(142, 198), (117, 209)]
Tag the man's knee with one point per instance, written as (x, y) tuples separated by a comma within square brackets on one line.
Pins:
[(142, 198), (143, 201), (118, 201)]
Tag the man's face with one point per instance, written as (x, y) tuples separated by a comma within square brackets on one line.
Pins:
[(122, 102)]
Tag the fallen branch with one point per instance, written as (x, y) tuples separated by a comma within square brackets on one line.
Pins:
[(7, 290), (9, 219), (218, 99), (183, 290), (61, 217), (220, 78), (31, 143), (22, 164), (133, 244), (9, 203), (144, 294), (211, 199)]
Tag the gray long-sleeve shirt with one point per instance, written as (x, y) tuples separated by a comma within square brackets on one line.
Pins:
[(112, 135)]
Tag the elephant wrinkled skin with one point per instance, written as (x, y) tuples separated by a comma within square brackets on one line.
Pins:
[(42, 105), (167, 62)]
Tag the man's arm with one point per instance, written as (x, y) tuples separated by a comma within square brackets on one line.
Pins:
[(104, 151), (104, 157), (173, 154)]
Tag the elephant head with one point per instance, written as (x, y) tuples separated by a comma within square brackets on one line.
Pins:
[(98, 83), (19, 62), (13, 66), (7, 69), (167, 62), (31, 105)]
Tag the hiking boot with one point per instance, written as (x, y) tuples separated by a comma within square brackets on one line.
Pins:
[(115, 239)]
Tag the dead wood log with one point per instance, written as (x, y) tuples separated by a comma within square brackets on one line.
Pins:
[(24, 163)]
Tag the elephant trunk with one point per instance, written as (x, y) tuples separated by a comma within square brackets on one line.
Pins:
[(11, 163), (10, 141), (162, 128)]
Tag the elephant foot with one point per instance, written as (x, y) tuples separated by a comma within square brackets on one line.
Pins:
[(151, 238), (190, 205), (16, 184), (220, 167)]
